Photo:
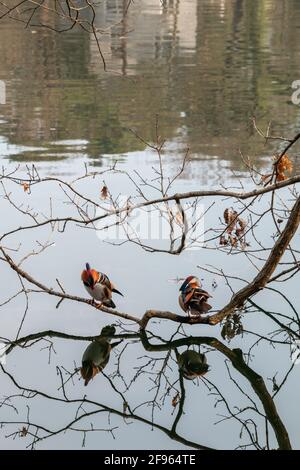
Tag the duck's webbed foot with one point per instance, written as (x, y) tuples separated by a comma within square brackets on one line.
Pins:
[(95, 304)]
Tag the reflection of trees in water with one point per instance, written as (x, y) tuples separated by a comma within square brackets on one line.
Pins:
[(256, 417), (208, 90)]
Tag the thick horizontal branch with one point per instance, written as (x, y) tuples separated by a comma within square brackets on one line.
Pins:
[(63, 295), (22, 342), (170, 316)]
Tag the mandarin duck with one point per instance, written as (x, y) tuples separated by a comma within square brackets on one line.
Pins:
[(96, 355), (99, 286), (192, 298), (192, 364)]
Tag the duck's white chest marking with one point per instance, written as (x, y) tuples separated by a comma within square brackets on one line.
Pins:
[(99, 292)]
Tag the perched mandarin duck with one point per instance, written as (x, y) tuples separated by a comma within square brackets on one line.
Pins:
[(99, 286), (192, 364), (192, 298), (96, 355)]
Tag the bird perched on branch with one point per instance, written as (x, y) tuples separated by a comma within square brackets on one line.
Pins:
[(192, 364), (99, 286), (192, 298), (96, 355)]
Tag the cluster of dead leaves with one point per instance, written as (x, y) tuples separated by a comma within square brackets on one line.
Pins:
[(282, 167), (235, 231), (23, 432)]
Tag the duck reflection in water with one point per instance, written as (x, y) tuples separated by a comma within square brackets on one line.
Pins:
[(96, 355), (192, 364)]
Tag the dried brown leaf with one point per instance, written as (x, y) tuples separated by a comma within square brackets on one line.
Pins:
[(175, 400), (104, 192), (26, 187)]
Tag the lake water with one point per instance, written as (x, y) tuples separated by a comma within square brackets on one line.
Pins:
[(205, 68)]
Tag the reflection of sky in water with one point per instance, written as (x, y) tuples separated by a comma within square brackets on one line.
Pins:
[(147, 282), (205, 80)]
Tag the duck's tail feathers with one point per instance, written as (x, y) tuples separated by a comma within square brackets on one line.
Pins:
[(117, 292), (109, 303), (206, 307)]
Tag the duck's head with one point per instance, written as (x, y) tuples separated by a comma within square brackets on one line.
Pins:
[(88, 371), (191, 281), (88, 276)]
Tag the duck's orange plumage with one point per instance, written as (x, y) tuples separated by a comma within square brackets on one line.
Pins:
[(99, 286), (90, 277), (192, 298)]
